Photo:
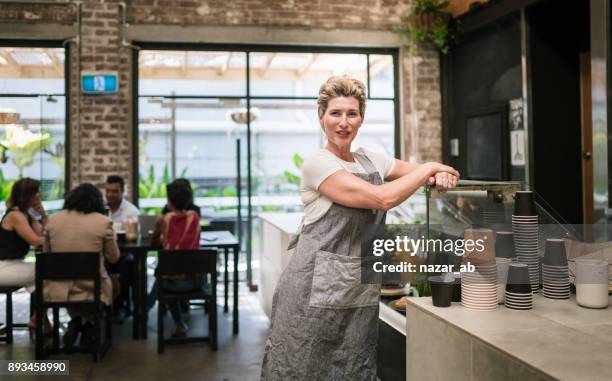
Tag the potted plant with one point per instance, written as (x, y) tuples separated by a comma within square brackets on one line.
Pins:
[(427, 22)]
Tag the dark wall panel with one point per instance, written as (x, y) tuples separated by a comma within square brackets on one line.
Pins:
[(482, 72), (556, 38)]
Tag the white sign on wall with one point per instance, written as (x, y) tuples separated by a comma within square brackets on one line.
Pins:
[(517, 148)]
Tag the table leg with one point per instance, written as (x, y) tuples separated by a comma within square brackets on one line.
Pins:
[(136, 298), (143, 301), (226, 280), (235, 317)]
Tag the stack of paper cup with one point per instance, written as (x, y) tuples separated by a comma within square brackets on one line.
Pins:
[(526, 235), (478, 288)]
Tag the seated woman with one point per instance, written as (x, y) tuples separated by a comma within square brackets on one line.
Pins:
[(175, 230), (81, 226), (191, 205), (18, 231)]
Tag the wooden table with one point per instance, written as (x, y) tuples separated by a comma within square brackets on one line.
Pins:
[(208, 240)]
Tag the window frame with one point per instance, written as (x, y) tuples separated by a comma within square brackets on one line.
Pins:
[(22, 43)]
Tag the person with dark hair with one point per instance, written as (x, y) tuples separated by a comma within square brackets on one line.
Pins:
[(81, 227), (19, 229), (120, 208), (178, 229), (191, 205), (120, 211)]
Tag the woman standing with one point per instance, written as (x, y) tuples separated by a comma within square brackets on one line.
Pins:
[(324, 320)]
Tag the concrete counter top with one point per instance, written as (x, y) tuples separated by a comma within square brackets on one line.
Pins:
[(286, 222), (556, 340)]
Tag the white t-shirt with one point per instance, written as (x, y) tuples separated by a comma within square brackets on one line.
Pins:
[(126, 210), (320, 165)]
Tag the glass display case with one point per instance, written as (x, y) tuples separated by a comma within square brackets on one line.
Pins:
[(441, 215), (488, 204)]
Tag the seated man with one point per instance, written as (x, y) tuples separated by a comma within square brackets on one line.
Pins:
[(120, 210)]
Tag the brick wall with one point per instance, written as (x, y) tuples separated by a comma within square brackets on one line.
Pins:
[(422, 105), (366, 14), (105, 144)]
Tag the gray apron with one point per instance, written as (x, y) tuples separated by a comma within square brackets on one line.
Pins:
[(324, 320)]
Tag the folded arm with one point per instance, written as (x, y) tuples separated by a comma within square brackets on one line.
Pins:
[(349, 190)]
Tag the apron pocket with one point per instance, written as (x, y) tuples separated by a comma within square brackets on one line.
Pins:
[(336, 283)]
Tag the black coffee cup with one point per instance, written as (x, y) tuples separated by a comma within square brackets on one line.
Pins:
[(554, 253), (518, 278), (504, 245), (120, 236), (524, 204), (457, 289), (441, 291)]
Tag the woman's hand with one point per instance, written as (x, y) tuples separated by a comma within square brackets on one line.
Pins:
[(444, 180), (38, 207), (434, 168), (442, 176)]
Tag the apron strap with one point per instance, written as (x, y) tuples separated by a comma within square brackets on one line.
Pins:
[(369, 167)]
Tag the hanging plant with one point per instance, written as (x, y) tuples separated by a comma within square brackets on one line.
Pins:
[(427, 22)]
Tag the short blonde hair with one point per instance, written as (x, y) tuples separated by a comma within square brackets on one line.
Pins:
[(342, 86)]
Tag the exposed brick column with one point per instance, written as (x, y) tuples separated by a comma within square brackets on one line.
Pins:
[(422, 104), (105, 130)]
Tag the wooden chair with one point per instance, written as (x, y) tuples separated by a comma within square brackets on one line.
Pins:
[(8, 326), (190, 263), (70, 266)]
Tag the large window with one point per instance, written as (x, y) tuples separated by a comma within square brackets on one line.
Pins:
[(194, 104), (33, 120)]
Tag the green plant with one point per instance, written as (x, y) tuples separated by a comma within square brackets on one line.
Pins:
[(423, 288), (291, 177), (150, 186), (151, 211), (427, 21), (5, 186), (271, 208), (424, 6), (229, 192)]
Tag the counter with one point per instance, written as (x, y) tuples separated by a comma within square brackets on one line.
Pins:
[(556, 340), (277, 230)]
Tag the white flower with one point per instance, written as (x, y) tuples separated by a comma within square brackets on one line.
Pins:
[(19, 137)]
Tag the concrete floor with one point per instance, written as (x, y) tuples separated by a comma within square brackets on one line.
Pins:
[(238, 357)]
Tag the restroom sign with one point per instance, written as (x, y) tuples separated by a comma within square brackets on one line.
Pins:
[(99, 82)]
